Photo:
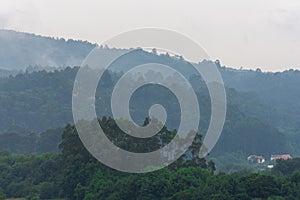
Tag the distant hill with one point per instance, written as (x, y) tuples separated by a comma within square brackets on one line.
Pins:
[(263, 108), (41, 100), (278, 92), (19, 50), (6, 73)]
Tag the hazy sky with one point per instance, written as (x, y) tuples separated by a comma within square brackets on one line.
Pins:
[(241, 33)]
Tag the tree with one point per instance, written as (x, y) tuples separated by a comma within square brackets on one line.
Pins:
[(211, 166)]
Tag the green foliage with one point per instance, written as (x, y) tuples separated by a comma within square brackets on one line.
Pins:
[(284, 167), (31, 143), (260, 186), (75, 174), (2, 196)]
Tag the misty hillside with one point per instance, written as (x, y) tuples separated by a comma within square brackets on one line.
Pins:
[(278, 93), (41, 100), (154, 111), (20, 50), (263, 108)]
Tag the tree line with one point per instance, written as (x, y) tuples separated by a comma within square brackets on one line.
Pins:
[(75, 174)]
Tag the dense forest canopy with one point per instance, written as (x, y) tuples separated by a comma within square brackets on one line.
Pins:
[(75, 174)]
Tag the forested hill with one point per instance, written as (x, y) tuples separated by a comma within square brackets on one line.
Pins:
[(20, 50), (42, 100), (277, 95), (279, 91), (272, 97), (263, 108)]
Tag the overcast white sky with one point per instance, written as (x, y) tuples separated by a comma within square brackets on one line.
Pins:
[(241, 33)]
